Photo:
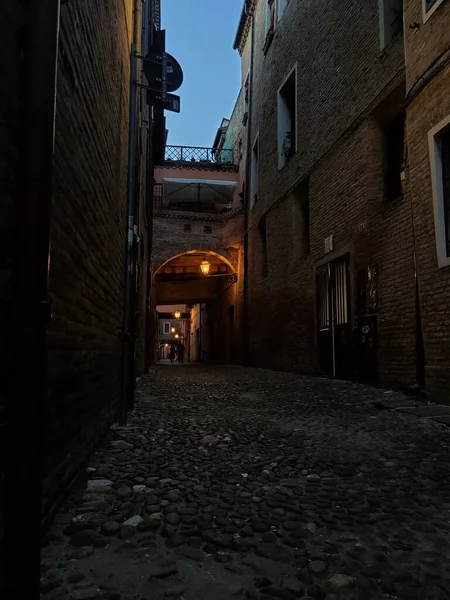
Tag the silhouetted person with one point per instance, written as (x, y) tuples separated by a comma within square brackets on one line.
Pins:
[(172, 354), (180, 350)]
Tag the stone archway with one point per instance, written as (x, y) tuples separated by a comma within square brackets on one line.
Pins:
[(164, 255)]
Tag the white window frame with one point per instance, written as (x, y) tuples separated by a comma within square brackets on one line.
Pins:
[(280, 130), (438, 192), (164, 327), (254, 173), (433, 9)]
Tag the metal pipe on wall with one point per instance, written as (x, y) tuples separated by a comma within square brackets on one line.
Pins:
[(245, 311), (29, 311), (128, 333)]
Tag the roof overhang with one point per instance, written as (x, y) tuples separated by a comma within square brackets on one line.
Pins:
[(198, 190), (244, 22)]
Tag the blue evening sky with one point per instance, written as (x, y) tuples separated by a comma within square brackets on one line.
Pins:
[(200, 35)]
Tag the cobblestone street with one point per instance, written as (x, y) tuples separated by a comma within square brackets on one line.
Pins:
[(243, 483)]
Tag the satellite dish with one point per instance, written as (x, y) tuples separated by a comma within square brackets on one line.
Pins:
[(152, 70)]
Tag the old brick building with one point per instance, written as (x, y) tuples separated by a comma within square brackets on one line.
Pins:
[(330, 242), (51, 431), (343, 207), (427, 43)]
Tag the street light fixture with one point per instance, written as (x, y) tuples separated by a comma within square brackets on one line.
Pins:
[(176, 336), (173, 330), (177, 314), (204, 267)]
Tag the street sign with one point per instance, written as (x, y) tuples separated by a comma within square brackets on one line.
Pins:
[(153, 70), (171, 103)]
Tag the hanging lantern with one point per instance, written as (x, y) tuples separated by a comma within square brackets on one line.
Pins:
[(173, 330), (204, 266), (177, 314)]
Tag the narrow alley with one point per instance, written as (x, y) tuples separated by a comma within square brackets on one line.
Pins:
[(242, 483)]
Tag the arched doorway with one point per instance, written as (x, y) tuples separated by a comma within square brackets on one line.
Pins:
[(200, 287)]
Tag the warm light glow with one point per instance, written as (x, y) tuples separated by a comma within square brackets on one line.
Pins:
[(167, 345), (173, 330), (177, 314), (204, 266), (176, 336)]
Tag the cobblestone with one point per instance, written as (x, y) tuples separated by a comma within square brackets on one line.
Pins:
[(252, 484)]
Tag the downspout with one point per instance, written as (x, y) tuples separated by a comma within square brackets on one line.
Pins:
[(128, 334), (29, 310), (149, 325), (421, 355), (245, 311), (200, 358)]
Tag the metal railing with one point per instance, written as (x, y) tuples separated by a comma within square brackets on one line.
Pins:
[(196, 207), (201, 156)]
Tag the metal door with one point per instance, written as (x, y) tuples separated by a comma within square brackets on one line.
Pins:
[(334, 319), (325, 333), (340, 284)]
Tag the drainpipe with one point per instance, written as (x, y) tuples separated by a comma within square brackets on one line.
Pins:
[(200, 357), (246, 356), (29, 312), (128, 333)]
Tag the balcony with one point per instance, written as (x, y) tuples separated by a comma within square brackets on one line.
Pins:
[(194, 196), (193, 157)]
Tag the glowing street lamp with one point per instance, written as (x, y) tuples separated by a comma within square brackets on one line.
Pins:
[(177, 314), (176, 336), (173, 330), (204, 266)]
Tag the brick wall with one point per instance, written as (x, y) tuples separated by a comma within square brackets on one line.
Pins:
[(344, 83), (424, 46), (88, 236), (10, 18)]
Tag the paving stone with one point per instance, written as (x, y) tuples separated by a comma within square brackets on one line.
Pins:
[(273, 551), (229, 462), (341, 581), (318, 567), (84, 538), (111, 528)]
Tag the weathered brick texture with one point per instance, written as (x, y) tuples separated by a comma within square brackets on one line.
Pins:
[(345, 85), (88, 236), (10, 21), (426, 47)]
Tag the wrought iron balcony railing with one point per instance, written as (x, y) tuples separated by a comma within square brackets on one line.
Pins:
[(201, 156), (192, 207)]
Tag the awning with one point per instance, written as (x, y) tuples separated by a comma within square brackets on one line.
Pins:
[(198, 190)]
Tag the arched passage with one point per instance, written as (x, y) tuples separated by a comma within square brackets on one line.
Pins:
[(206, 302)]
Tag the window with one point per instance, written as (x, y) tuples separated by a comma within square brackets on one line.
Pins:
[(254, 174), (439, 144), (394, 152), (301, 218), (246, 98), (207, 229), (270, 15), (270, 23), (166, 328), (263, 236), (187, 228), (429, 7), (282, 4), (391, 20), (287, 118)]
